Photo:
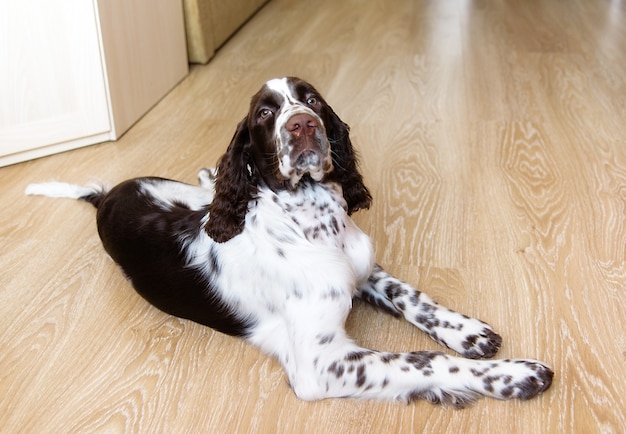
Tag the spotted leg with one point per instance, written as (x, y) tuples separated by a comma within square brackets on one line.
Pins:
[(469, 337), (427, 375), (321, 361)]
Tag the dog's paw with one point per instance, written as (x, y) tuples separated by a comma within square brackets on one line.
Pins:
[(469, 337), (484, 344), (206, 177), (515, 379)]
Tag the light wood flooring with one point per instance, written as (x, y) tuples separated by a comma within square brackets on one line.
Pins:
[(493, 138)]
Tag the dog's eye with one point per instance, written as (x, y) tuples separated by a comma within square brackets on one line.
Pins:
[(311, 100), (265, 113)]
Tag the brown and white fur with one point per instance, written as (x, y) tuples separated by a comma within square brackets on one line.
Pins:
[(265, 249)]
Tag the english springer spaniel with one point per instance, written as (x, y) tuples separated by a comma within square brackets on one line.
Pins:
[(265, 249)]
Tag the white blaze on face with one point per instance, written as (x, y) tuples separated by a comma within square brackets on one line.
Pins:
[(291, 106)]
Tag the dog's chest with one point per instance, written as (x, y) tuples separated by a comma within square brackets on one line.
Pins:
[(296, 245), (320, 214), (316, 213)]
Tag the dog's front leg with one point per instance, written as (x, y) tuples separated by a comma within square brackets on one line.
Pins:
[(468, 336)]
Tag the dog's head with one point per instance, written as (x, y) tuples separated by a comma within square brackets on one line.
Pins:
[(288, 115), (290, 134)]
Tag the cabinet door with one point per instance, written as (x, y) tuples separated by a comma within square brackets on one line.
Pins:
[(52, 87)]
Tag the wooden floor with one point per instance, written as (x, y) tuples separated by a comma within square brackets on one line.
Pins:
[(493, 138)]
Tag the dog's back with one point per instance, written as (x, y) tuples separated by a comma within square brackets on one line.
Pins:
[(144, 225)]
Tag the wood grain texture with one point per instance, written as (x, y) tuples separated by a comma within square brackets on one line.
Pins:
[(492, 136)]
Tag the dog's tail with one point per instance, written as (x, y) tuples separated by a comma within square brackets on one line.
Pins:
[(90, 193)]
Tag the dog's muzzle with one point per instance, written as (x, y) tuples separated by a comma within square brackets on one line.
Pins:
[(304, 147)]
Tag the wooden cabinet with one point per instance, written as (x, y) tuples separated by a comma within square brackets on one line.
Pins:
[(79, 72), (209, 23)]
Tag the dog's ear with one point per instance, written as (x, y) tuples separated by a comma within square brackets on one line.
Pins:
[(345, 162), (234, 188)]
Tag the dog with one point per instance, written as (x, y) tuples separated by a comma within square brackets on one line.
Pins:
[(265, 249)]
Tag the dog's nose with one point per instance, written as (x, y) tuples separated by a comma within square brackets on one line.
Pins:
[(301, 124)]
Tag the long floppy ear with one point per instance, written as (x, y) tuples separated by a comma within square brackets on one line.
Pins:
[(234, 187), (345, 164)]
